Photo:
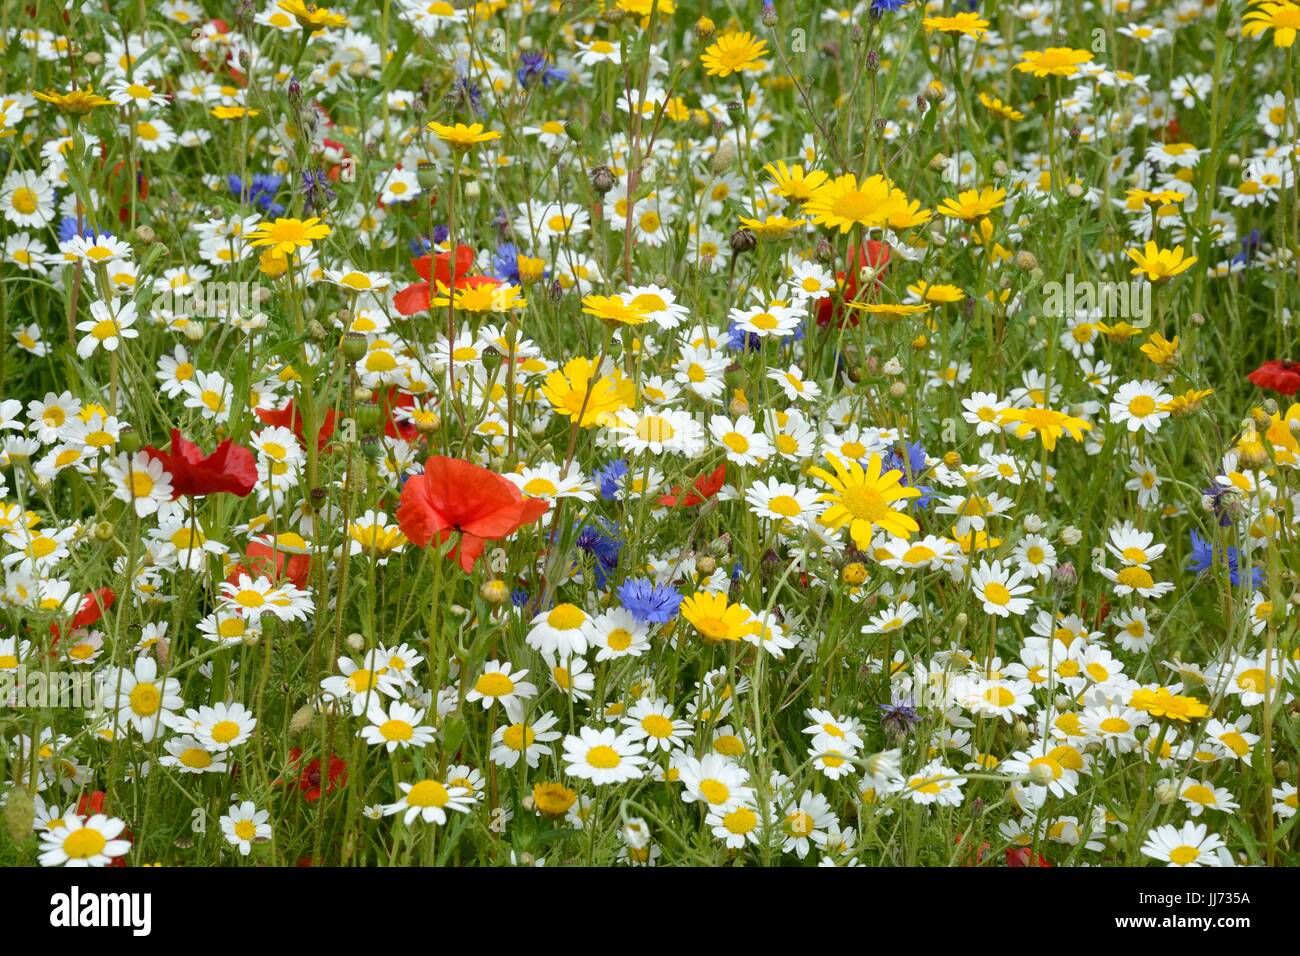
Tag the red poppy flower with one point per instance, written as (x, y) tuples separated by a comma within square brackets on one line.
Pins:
[(1103, 610), (393, 428), (310, 778), (704, 488), (1025, 856), (261, 560), (1278, 375), (455, 495), (876, 255), (93, 803), (288, 417), (973, 858), (336, 155), (124, 199), (93, 606), (230, 468), (438, 270)]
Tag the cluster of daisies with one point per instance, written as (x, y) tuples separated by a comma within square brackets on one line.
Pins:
[(490, 434)]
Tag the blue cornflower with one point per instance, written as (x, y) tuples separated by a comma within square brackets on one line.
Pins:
[(534, 66), (738, 340), (1249, 246), (259, 191), (911, 468), (608, 477), (469, 90), (68, 229), (1218, 495), (519, 597), (887, 6), (899, 715), (648, 602), (604, 547), (1203, 557), (316, 187), (505, 263)]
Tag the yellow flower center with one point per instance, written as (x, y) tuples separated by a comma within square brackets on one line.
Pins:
[(428, 793), (997, 594), (494, 684), (145, 700), (196, 757), (1182, 855), (396, 730), (715, 791), (224, 731), (566, 617), (1135, 578), (603, 758), (84, 843)]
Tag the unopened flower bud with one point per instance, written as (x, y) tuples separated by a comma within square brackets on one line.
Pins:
[(1041, 774), (369, 416), (743, 240), (723, 157), (495, 592), (1070, 536), (1166, 792), (301, 719), (636, 833), (854, 573), (354, 346), (20, 814), (356, 642)]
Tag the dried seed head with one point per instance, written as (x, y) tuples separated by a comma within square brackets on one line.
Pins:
[(743, 240)]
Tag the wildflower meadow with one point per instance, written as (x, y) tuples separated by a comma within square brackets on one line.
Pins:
[(644, 433)]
